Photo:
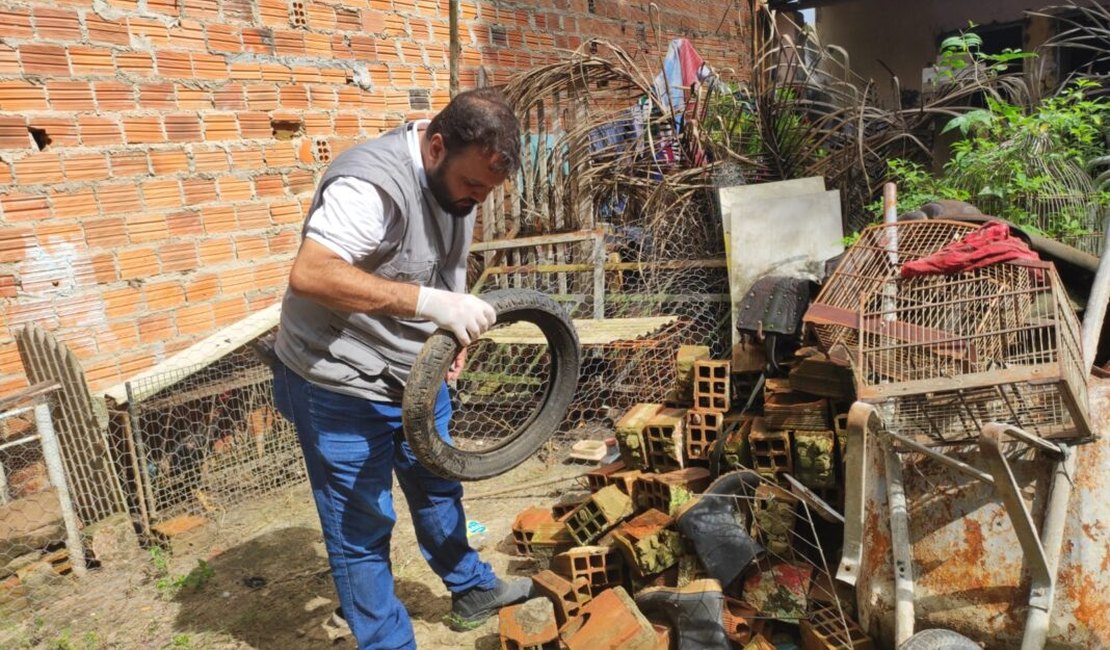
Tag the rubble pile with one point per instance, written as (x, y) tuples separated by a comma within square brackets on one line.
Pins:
[(708, 530)]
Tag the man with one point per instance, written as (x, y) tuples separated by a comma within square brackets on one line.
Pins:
[(381, 266)]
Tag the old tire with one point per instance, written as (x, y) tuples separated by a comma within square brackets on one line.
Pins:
[(433, 362), (938, 639)]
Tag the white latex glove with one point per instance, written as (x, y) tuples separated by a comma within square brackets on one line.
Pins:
[(462, 314)]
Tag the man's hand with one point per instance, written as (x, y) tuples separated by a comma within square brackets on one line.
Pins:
[(457, 366), (464, 315)]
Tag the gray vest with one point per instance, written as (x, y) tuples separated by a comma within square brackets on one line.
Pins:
[(371, 355)]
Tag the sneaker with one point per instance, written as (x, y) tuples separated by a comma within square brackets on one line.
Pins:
[(471, 608), (335, 626)]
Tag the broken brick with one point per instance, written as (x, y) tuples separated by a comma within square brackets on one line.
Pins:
[(601, 566), (828, 629), (610, 620), (648, 542), (529, 626), (568, 597), (663, 436), (603, 510), (629, 432), (666, 492)]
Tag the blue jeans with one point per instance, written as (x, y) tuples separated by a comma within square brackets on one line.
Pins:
[(351, 448)]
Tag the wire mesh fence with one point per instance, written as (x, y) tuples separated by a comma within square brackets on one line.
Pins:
[(209, 439)]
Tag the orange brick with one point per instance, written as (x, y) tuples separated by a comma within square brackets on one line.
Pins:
[(119, 198), (157, 328), (44, 59), (230, 310), (320, 96), (220, 126), (132, 364), (121, 303), (284, 242), (86, 167), (272, 275), (184, 223), (137, 63), (237, 281), (95, 269), (91, 60), (163, 6), (149, 30), (161, 193), (247, 158), (229, 97), (39, 168), (53, 233), (288, 42), (56, 24), (183, 127), (193, 98), (169, 161), (257, 40), (279, 154), (216, 251), (269, 185), (261, 97), (16, 22), (163, 295), (295, 96), (195, 319), (246, 72), (74, 204), (144, 228), (201, 287), (203, 9), (160, 96), (13, 132), (250, 247), (70, 95), (109, 232), (118, 337), (9, 60), (232, 188), (59, 131), (224, 38), (99, 131), (276, 72), (129, 163), (174, 65), (111, 32), (306, 74), (143, 129), (318, 45), (254, 124), (274, 12), (187, 35), (20, 206), (114, 96), (253, 216), (138, 262), (17, 95), (15, 241), (210, 160), (199, 190), (286, 212), (218, 219), (5, 173), (209, 66)]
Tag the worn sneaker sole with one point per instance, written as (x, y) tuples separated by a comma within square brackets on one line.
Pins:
[(460, 624)]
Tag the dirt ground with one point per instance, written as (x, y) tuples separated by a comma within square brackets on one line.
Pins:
[(257, 577)]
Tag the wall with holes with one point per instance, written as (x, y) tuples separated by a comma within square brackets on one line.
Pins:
[(157, 156)]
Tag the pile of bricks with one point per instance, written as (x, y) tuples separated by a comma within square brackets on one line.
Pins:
[(596, 549)]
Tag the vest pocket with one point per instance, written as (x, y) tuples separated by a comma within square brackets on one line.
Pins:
[(409, 271)]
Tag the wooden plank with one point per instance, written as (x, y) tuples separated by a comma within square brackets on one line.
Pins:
[(86, 455), (590, 331)]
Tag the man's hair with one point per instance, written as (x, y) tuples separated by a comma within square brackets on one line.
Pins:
[(480, 117)]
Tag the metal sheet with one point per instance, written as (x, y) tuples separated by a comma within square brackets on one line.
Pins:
[(970, 571)]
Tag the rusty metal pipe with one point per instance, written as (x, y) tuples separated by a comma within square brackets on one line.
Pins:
[(901, 545)]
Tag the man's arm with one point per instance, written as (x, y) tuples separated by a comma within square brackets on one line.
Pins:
[(322, 276)]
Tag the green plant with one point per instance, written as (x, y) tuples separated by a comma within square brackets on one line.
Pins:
[(963, 53), (168, 585), (181, 641)]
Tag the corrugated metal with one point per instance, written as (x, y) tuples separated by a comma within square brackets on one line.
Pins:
[(968, 564)]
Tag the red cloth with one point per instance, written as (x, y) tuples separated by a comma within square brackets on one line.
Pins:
[(990, 244)]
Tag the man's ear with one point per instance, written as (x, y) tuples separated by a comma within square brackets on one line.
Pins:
[(437, 151)]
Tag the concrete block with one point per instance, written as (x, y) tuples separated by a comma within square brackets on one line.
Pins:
[(603, 510), (529, 626), (648, 542)]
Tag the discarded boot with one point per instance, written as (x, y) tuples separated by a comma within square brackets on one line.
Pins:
[(471, 608), (717, 526), (694, 613)]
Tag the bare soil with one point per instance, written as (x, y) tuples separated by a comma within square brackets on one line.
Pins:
[(257, 577)]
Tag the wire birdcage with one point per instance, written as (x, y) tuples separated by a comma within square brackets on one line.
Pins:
[(873, 260), (1061, 200), (954, 352)]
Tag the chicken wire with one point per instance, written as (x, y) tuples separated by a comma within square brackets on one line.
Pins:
[(210, 439), (34, 556)]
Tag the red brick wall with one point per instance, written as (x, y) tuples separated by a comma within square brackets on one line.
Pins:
[(156, 157)]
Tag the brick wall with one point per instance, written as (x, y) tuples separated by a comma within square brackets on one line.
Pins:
[(157, 156)]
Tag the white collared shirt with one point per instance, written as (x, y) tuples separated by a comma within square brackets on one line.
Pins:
[(351, 219)]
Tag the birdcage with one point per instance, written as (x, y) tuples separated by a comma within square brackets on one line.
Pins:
[(951, 353), (1061, 199), (874, 260)]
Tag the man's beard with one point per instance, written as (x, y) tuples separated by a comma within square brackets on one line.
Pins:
[(438, 187)]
